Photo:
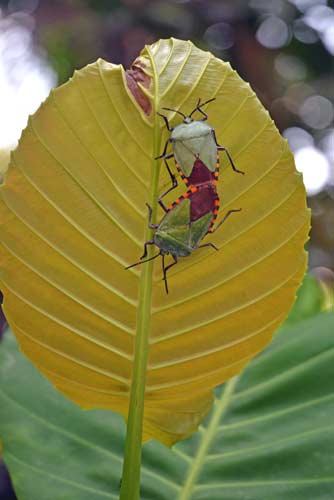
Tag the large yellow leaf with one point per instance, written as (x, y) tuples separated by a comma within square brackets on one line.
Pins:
[(73, 215)]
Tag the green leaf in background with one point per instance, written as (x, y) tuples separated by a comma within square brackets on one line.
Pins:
[(310, 299), (270, 433)]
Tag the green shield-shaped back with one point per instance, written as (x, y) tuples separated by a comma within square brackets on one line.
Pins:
[(179, 216), (199, 228), (192, 140), (177, 235), (173, 233)]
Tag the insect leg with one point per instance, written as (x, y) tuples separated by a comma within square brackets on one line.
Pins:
[(161, 203), (222, 148), (208, 245), (150, 242), (163, 154), (224, 219), (172, 176), (167, 157), (166, 121), (150, 212), (165, 269)]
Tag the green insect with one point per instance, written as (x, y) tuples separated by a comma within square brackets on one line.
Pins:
[(195, 150), (177, 235)]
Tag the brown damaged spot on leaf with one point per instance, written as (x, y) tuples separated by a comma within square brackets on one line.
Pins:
[(136, 75)]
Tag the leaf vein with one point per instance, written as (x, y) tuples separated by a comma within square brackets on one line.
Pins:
[(286, 373), (280, 441), (94, 159), (227, 242), (68, 219), (79, 439), (167, 364), (61, 479), (217, 285), (184, 62), (206, 440), (73, 359), (123, 122), (93, 276), (247, 484), (275, 414), (258, 299), (168, 58), (76, 180), (75, 299)]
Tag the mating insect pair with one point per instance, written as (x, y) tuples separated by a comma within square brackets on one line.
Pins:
[(189, 218)]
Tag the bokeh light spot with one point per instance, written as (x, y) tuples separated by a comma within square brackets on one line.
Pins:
[(303, 5), (267, 6), (219, 36), (319, 17), (25, 79), (327, 38), (315, 168), (273, 33), (298, 138), (317, 112), (290, 67), (326, 143), (304, 33)]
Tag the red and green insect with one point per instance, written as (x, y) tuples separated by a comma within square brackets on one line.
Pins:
[(184, 226), (203, 199), (195, 150)]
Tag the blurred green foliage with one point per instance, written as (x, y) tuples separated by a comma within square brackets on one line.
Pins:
[(310, 300)]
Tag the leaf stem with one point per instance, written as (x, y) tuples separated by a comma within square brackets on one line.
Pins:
[(130, 486)]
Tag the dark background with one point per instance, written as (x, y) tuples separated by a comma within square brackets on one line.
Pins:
[(283, 48)]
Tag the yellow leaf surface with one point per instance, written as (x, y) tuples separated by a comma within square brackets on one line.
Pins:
[(4, 159), (73, 216)]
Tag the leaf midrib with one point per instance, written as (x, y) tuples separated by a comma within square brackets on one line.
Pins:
[(271, 445), (218, 413), (275, 414), (133, 442), (247, 484)]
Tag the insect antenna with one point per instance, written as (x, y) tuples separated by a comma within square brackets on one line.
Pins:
[(207, 102), (143, 261), (199, 105), (176, 111)]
